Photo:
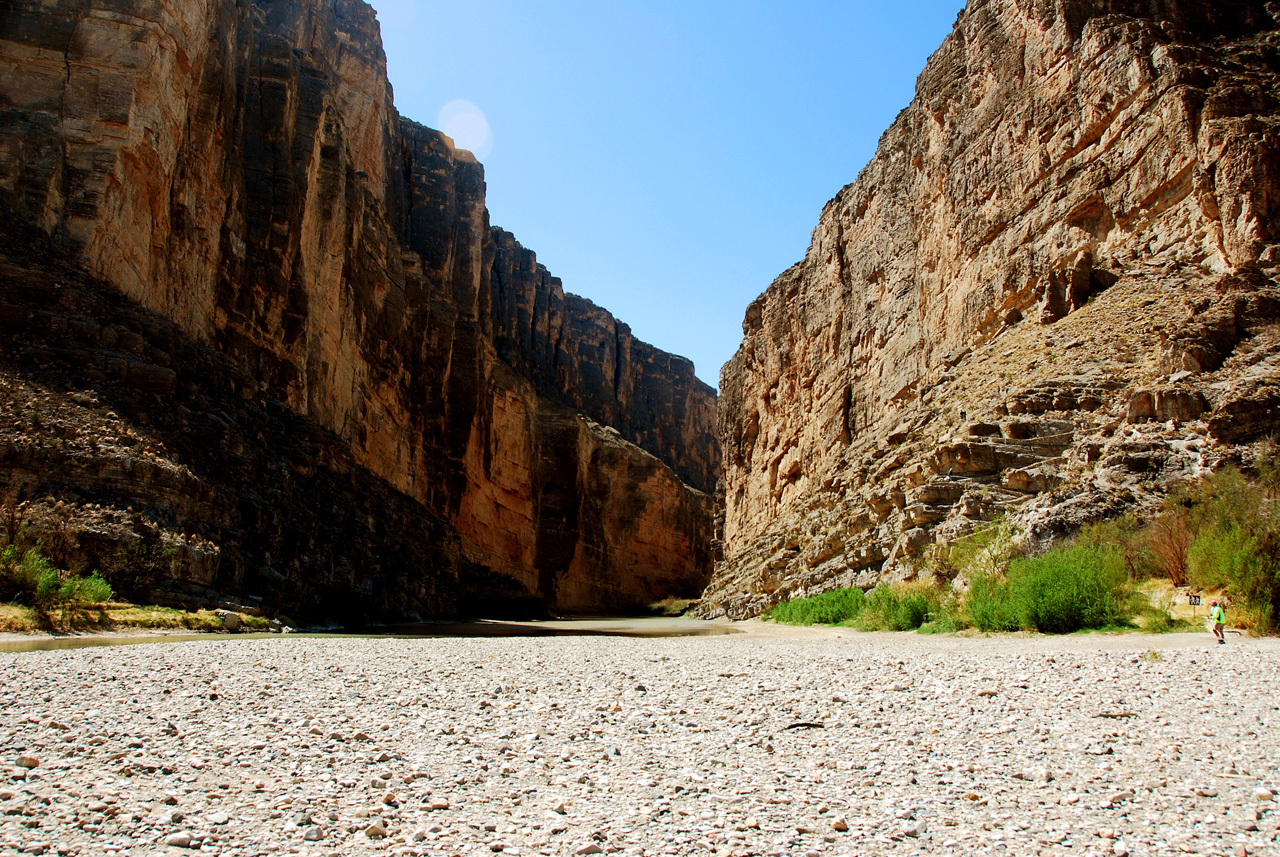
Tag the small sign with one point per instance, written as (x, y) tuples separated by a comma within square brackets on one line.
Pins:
[(1194, 600)]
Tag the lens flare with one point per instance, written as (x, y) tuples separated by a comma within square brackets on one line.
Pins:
[(465, 123)]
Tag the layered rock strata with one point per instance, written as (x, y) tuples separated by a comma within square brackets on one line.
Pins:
[(239, 170), (1050, 295)]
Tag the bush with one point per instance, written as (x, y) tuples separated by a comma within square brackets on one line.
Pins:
[(38, 579), (1127, 534), (85, 590), (34, 581), (988, 606), (902, 607), (1069, 589), (1245, 566), (988, 550), (827, 608), (1218, 557), (1065, 590), (1168, 540), (1223, 500)]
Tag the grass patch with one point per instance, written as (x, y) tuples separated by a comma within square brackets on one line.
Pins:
[(900, 607), (1157, 621), (118, 616), (897, 607), (828, 608), (17, 619)]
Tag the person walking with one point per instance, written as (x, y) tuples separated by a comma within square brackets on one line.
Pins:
[(1219, 618)]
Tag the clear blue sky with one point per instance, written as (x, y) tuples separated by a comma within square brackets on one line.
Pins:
[(666, 160)]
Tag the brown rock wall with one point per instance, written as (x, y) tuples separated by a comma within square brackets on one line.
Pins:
[(578, 353), (241, 170), (1052, 150)]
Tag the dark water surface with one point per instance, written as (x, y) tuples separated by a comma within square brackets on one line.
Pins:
[(605, 627)]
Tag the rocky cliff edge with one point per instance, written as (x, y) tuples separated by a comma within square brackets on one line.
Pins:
[(238, 172), (1051, 295)]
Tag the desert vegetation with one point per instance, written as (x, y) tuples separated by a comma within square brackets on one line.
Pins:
[(1219, 536), (38, 592), (29, 578)]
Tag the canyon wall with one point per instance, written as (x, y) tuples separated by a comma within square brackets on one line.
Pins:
[(239, 170), (1049, 296)]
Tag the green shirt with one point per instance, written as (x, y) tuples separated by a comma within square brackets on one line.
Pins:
[(1218, 616)]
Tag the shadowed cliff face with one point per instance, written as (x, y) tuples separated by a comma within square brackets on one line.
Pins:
[(1026, 257), (576, 352), (240, 170)]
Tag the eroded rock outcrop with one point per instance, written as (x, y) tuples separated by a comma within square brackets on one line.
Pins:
[(578, 353), (239, 169), (1050, 294)]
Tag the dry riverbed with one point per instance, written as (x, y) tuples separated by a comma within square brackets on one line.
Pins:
[(767, 743)]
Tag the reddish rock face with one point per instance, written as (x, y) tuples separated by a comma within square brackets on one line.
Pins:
[(240, 170), (1071, 183)]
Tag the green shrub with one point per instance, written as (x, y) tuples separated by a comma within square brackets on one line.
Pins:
[(1069, 589), (946, 622), (1140, 549), (986, 551), (85, 590), (902, 607), (988, 606), (1219, 557), (38, 579), (1065, 590), (827, 608), (33, 580), (1243, 564), (1223, 500)]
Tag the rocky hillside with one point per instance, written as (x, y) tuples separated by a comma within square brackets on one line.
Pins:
[(1052, 294), (358, 395)]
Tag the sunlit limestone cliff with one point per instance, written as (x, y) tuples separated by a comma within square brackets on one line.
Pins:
[(1050, 295)]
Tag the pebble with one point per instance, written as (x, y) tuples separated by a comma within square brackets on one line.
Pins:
[(679, 746)]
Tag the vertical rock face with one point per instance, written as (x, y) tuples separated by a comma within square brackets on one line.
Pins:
[(1072, 182), (240, 169), (578, 353)]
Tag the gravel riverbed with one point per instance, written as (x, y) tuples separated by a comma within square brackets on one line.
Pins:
[(814, 743)]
